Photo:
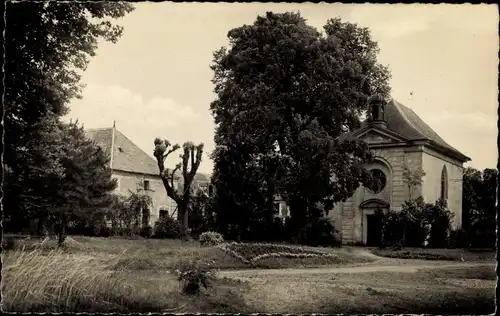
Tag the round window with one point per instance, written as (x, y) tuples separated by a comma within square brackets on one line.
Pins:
[(380, 180)]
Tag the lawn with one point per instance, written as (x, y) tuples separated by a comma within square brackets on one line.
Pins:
[(133, 275), (441, 291), (437, 254), (124, 275)]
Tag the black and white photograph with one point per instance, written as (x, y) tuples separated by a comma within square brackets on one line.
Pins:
[(272, 158)]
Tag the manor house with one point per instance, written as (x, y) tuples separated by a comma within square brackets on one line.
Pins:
[(399, 138), (136, 171)]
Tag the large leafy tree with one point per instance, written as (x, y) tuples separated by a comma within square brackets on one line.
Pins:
[(82, 192), (479, 206), (47, 45), (286, 93), (68, 183)]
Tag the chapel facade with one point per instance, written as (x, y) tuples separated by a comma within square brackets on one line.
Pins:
[(399, 138)]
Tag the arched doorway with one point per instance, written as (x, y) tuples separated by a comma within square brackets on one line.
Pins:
[(371, 220)]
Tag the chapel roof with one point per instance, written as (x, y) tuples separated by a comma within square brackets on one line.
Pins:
[(404, 121)]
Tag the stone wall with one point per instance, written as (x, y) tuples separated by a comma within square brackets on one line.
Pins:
[(433, 164), (349, 218), (129, 181)]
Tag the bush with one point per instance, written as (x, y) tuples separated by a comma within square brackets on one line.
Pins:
[(9, 243), (320, 232), (417, 223), (167, 227), (211, 239), (146, 232), (194, 275), (458, 239)]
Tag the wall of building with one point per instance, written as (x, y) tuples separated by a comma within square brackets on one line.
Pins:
[(348, 216), (433, 164), (128, 181)]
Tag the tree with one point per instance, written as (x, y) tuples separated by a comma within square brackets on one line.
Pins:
[(283, 87), (139, 203), (412, 178), (191, 159), (478, 209), (69, 180), (83, 192), (47, 44)]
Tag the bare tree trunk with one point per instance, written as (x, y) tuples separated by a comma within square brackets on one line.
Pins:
[(62, 231)]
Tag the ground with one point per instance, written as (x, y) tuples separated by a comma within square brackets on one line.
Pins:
[(120, 275)]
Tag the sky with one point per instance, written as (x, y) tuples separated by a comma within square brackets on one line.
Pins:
[(156, 80)]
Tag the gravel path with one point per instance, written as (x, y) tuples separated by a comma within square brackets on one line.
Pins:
[(407, 268)]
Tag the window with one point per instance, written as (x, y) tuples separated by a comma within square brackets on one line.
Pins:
[(146, 185), (277, 207), (444, 184), (163, 212), (380, 180)]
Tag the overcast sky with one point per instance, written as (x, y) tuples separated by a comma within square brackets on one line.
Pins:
[(155, 82)]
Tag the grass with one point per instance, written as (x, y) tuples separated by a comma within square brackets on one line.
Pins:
[(436, 254), (54, 281), (167, 254), (374, 293), (132, 275)]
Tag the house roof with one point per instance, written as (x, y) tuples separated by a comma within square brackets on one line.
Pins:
[(127, 156), (405, 122)]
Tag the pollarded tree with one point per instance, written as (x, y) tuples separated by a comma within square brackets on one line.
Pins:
[(191, 159), (284, 87)]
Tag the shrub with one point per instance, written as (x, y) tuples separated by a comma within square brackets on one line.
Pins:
[(250, 253), (459, 239), (319, 232), (417, 223), (211, 239), (104, 231), (195, 275), (146, 232), (167, 227), (9, 243)]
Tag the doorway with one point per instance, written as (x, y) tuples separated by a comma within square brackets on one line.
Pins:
[(373, 230)]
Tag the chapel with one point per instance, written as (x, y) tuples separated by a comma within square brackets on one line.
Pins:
[(399, 139)]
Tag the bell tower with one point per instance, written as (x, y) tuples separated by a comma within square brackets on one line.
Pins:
[(377, 111)]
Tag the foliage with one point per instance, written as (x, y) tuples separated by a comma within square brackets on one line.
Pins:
[(418, 224), (191, 159), (412, 178), (319, 232), (167, 227), (415, 255), (139, 204), (69, 182), (194, 275), (285, 95), (201, 215), (254, 252), (479, 207), (146, 231), (51, 44), (211, 239)]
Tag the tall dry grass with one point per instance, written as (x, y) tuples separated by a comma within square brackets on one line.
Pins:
[(54, 281)]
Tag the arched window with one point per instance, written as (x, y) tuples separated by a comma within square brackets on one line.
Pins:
[(444, 184)]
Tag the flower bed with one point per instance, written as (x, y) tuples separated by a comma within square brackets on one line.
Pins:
[(251, 253)]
